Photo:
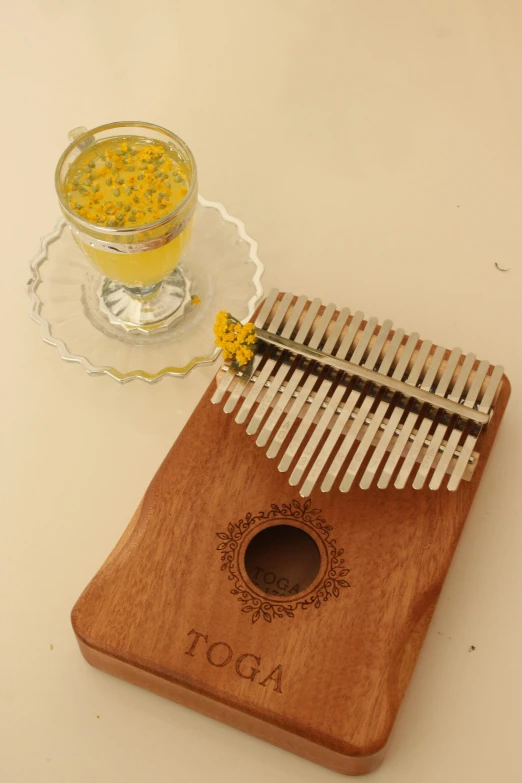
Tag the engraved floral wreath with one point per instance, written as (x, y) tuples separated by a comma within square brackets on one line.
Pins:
[(328, 587)]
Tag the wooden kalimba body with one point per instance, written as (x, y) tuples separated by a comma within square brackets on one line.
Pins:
[(284, 564)]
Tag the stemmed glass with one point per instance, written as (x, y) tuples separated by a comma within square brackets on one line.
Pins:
[(136, 242)]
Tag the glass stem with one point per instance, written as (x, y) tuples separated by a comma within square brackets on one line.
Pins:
[(143, 293)]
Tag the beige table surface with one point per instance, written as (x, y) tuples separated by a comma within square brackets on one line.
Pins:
[(375, 151)]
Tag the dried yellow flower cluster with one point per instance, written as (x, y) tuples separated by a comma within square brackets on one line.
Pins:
[(234, 338), (125, 184)]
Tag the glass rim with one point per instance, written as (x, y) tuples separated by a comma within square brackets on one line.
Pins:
[(112, 230)]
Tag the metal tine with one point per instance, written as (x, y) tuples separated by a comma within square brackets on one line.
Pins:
[(448, 452), (426, 421), (274, 325), (314, 371), (444, 427), (462, 378), (463, 459), (259, 323), (298, 371), (367, 402), (268, 369), (460, 424), (411, 418), (354, 395), (486, 402), (395, 416), (327, 384), (380, 413), (469, 444)]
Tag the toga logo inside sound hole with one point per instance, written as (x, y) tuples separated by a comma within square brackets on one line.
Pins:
[(282, 560)]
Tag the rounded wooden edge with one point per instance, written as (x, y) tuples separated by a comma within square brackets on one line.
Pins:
[(282, 738), (108, 564)]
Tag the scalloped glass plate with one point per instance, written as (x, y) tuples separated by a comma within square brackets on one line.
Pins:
[(225, 273)]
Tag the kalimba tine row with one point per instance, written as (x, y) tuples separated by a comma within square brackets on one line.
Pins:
[(363, 384)]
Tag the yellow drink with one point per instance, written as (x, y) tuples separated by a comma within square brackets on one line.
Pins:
[(142, 268), (130, 182)]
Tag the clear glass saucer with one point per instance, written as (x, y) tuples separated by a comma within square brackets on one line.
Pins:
[(224, 273)]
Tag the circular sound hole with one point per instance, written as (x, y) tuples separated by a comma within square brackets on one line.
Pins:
[(282, 560)]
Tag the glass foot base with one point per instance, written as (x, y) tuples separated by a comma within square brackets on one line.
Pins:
[(147, 309)]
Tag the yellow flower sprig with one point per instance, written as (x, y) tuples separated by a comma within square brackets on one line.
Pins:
[(235, 339)]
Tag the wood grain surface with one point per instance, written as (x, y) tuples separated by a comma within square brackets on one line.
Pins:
[(321, 672)]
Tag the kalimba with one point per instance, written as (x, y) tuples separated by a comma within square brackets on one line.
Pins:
[(282, 569)]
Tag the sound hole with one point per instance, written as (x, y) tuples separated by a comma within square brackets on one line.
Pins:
[(282, 560)]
